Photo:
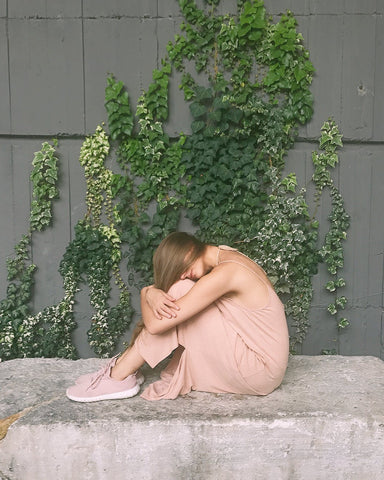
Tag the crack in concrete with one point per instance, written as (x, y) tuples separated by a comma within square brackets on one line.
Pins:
[(6, 422)]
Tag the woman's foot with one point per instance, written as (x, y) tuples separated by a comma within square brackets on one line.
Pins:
[(101, 386), (88, 377)]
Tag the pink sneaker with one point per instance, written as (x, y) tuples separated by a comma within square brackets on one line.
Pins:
[(103, 387), (89, 377)]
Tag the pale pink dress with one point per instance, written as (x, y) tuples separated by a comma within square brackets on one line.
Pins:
[(226, 348)]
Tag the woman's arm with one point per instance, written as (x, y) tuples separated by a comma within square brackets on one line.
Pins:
[(162, 303), (209, 288)]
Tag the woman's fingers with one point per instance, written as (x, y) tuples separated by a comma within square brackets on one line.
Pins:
[(168, 310), (162, 304), (171, 299), (170, 304), (166, 306)]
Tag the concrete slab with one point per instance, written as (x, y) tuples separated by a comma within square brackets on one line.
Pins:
[(168, 9), (44, 9), (325, 421), (326, 6), (122, 44), (7, 239), (325, 30), (3, 8), (277, 7), (358, 66), (21, 165), (119, 8), (5, 117), (358, 7), (42, 53), (378, 120), (361, 335)]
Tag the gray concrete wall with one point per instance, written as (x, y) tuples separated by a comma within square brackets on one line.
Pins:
[(54, 60)]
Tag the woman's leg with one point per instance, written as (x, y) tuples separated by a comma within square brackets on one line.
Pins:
[(156, 347), (129, 362), (148, 347), (117, 379)]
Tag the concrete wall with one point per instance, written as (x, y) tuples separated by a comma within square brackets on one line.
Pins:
[(54, 60)]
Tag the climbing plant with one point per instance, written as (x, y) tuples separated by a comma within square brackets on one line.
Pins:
[(17, 338), (93, 256), (229, 176), (243, 122), (332, 249), (152, 161), (247, 82)]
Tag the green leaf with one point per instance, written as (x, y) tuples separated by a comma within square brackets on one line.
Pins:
[(343, 323), (197, 110), (197, 126)]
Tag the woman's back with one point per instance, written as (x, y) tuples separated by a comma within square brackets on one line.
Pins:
[(253, 285)]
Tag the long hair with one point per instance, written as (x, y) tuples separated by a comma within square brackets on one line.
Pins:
[(175, 254)]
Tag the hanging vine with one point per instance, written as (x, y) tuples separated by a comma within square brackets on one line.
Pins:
[(332, 249), (18, 336), (152, 161), (93, 256)]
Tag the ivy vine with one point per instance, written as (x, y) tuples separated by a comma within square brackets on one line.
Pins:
[(332, 249), (226, 177), (244, 122), (18, 337), (93, 256)]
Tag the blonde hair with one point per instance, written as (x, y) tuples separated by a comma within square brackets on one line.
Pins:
[(172, 258), (175, 254)]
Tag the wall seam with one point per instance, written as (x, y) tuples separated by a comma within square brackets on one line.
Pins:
[(13, 198), (81, 136), (83, 64), (157, 35), (69, 200), (375, 77), (368, 291), (9, 68), (124, 17)]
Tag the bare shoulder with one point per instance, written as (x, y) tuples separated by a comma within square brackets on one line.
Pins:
[(246, 279), (220, 274), (240, 262), (233, 276)]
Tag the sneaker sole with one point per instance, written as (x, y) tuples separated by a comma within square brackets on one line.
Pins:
[(107, 396)]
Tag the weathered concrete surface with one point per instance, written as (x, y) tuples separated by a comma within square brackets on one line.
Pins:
[(325, 421)]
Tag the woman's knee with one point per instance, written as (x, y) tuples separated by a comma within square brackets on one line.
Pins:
[(181, 288)]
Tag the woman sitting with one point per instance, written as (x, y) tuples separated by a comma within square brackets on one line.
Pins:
[(216, 311)]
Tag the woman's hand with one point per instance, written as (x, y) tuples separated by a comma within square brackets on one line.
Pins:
[(162, 304)]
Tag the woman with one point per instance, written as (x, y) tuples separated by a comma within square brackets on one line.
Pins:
[(216, 310)]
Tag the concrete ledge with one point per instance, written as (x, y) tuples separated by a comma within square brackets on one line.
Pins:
[(325, 421)]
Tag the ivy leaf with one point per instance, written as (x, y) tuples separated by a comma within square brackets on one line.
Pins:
[(197, 126), (197, 110), (343, 323)]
